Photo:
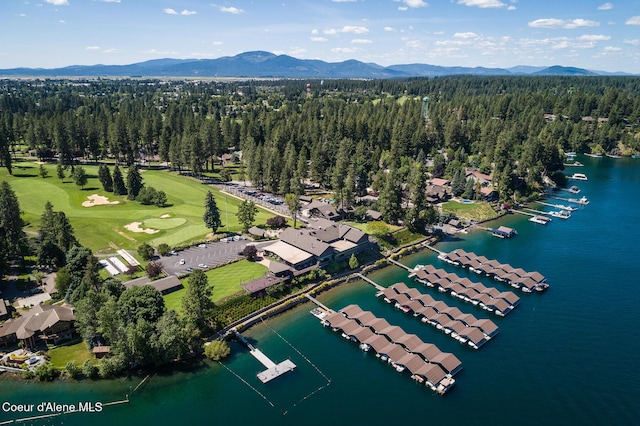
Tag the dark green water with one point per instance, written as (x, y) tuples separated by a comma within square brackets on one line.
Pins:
[(568, 356)]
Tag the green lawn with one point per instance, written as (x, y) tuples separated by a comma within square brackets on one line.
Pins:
[(477, 211), (226, 281), (102, 227), (77, 352)]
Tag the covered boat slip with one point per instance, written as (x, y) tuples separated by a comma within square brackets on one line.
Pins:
[(516, 277), (463, 327), (489, 298), (425, 361)]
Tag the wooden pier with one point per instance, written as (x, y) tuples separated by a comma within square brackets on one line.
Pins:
[(521, 212), (395, 262), (432, 248), (370, 281), (319, 303)]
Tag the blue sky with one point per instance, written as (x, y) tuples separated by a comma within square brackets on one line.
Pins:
[(597, 35)]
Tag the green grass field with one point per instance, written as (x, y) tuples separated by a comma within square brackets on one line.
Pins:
[(102, 227), (226, 281), (477, 211), (77, 352)]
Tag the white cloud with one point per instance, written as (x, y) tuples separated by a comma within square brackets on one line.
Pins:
[(466, 35), (185, 12), (319, 39), (170, 11), (632, 42), (606, 6), (415, 3), (158, 52), (347, 29), (22, 15), (231, 9), (612, 49), (110, 1), (403, 8), (389, 29), (594, 37), (92, 48), (188, 12), (315, 31), (58, 2), (361, 41), (634, 20), (62, 21), (555, 23), (217, 43), (414, 44), (112, 50), (483, 4), (344, 1), (344, 49)]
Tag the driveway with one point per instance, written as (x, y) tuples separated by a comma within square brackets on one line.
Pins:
[(213, 254)]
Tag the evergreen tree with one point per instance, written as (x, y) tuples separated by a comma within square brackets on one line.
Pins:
[(134, 182), (79, 176), (104, 175), (247, 214), (119, 187), (211, 215), (390, 199), (60, 172), (43, 172), (11, 234), (197, 304)]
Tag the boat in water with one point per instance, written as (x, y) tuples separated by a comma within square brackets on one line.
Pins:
[(579, 176), (540, 220), (583, 201), (562, 214), (635, 156), (593, 155), (574, 189)]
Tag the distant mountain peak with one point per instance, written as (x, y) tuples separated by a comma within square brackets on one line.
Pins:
[(283, 66)]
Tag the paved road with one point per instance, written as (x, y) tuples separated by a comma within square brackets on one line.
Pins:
[(211, 255)]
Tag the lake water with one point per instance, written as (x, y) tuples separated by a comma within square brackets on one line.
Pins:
[(567, 356)]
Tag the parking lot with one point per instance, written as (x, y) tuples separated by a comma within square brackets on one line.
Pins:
[(203, 256)]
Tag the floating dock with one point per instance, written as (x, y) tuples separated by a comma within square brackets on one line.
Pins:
[(427, 364), (273, 370), (487, 298), (460, 326), (503, 272)]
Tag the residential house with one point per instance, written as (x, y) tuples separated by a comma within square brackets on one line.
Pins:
[(436, 193), (483, 179), (4, 312), (320, 210), (46, 323)]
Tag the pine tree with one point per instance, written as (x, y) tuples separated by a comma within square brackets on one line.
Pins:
[(211, 213), (119, 187), (134, 182), (197, 304), (247, 214), (11, 234), (104, 175)]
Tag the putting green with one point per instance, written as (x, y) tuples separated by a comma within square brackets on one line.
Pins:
[(169, 223)]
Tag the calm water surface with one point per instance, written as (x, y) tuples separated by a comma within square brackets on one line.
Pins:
[(568, 356)]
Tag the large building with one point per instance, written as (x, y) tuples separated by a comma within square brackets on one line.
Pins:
[(46, 323)]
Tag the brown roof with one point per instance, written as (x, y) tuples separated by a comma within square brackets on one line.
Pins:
[(36, 320)]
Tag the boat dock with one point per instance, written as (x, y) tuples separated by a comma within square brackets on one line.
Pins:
[(460, 326), (426, 363), (503, 272), (487, 298), (273, 370), (320, 304), (370, 281), (520, 212)]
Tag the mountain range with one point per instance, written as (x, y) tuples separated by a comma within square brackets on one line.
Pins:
[(259, 64)]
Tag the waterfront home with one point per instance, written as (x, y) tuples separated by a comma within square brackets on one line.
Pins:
[(42, 323)]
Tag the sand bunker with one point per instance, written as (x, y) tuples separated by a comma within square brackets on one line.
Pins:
[(97, 200), (164, 216), (135, 227)]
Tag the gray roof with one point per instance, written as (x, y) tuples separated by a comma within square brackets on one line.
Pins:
[(302, 240), (37, 319)]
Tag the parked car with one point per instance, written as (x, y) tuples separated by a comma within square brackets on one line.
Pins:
[(182, 261)]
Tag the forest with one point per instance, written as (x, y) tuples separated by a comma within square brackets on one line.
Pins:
[(337, 133)]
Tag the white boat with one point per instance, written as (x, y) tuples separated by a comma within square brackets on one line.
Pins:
[(565, 207), (318, 313), (579, 176), (562, 214), (365, 347), (540, 220), (582, 200), (574, 190)]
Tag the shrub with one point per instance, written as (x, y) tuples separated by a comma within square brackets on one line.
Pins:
[(163, 249), (73, 370), (154, 269), (250, 252), (276, 222), (217, 350), (111, 367), (89, 370), (46, 372)]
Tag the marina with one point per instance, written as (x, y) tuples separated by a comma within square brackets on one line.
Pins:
[(487, 298), (427, 364), (450, 320), (515, 277)]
